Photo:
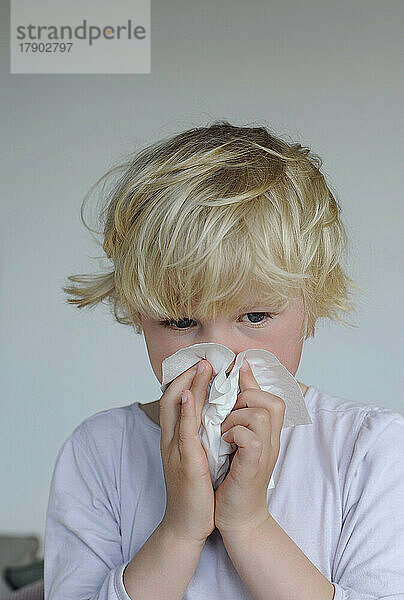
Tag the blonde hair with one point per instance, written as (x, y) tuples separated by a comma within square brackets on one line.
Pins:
[(201, 218)]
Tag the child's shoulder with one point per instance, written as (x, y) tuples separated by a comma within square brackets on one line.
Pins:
[(319, 400), (347, 419), (106, 427)]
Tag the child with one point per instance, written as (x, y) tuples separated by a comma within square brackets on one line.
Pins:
[(231, 235)]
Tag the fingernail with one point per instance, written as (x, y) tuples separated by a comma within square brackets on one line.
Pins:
[(244, 365), (201, 366)]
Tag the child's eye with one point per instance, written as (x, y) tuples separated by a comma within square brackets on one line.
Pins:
[(186, 321), (260, 314), (168, 323)]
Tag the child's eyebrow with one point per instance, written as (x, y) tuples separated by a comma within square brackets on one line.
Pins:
[(255, 302), (252, 305)]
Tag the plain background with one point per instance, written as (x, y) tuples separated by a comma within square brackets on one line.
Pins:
[(327, 74)]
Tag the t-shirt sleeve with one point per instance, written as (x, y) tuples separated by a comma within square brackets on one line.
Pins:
[(82, 550), (369, 559)]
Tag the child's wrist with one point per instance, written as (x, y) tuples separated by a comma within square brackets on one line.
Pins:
[(175, 534)]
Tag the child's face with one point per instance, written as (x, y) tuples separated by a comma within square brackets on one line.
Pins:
[(280, 335)]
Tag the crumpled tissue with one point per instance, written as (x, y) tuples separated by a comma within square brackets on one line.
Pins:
[(272, 376)]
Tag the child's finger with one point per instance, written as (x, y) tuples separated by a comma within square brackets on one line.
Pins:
[(189, 443), (170, 404), (199, 386)]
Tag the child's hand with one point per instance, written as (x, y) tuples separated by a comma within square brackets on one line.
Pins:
[(255, 425), (189, 490)]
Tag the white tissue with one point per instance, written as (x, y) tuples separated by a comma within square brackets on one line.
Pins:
[(271, 375)]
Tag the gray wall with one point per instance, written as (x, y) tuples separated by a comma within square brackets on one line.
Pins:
[(326, 73)]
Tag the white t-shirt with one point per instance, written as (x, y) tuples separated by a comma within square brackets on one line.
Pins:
[(339, 494)]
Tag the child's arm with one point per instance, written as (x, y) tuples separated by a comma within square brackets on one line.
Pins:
[(86, 555), (369, 558), (83, 553), (83, 545), (163, 567), (272, 565)]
